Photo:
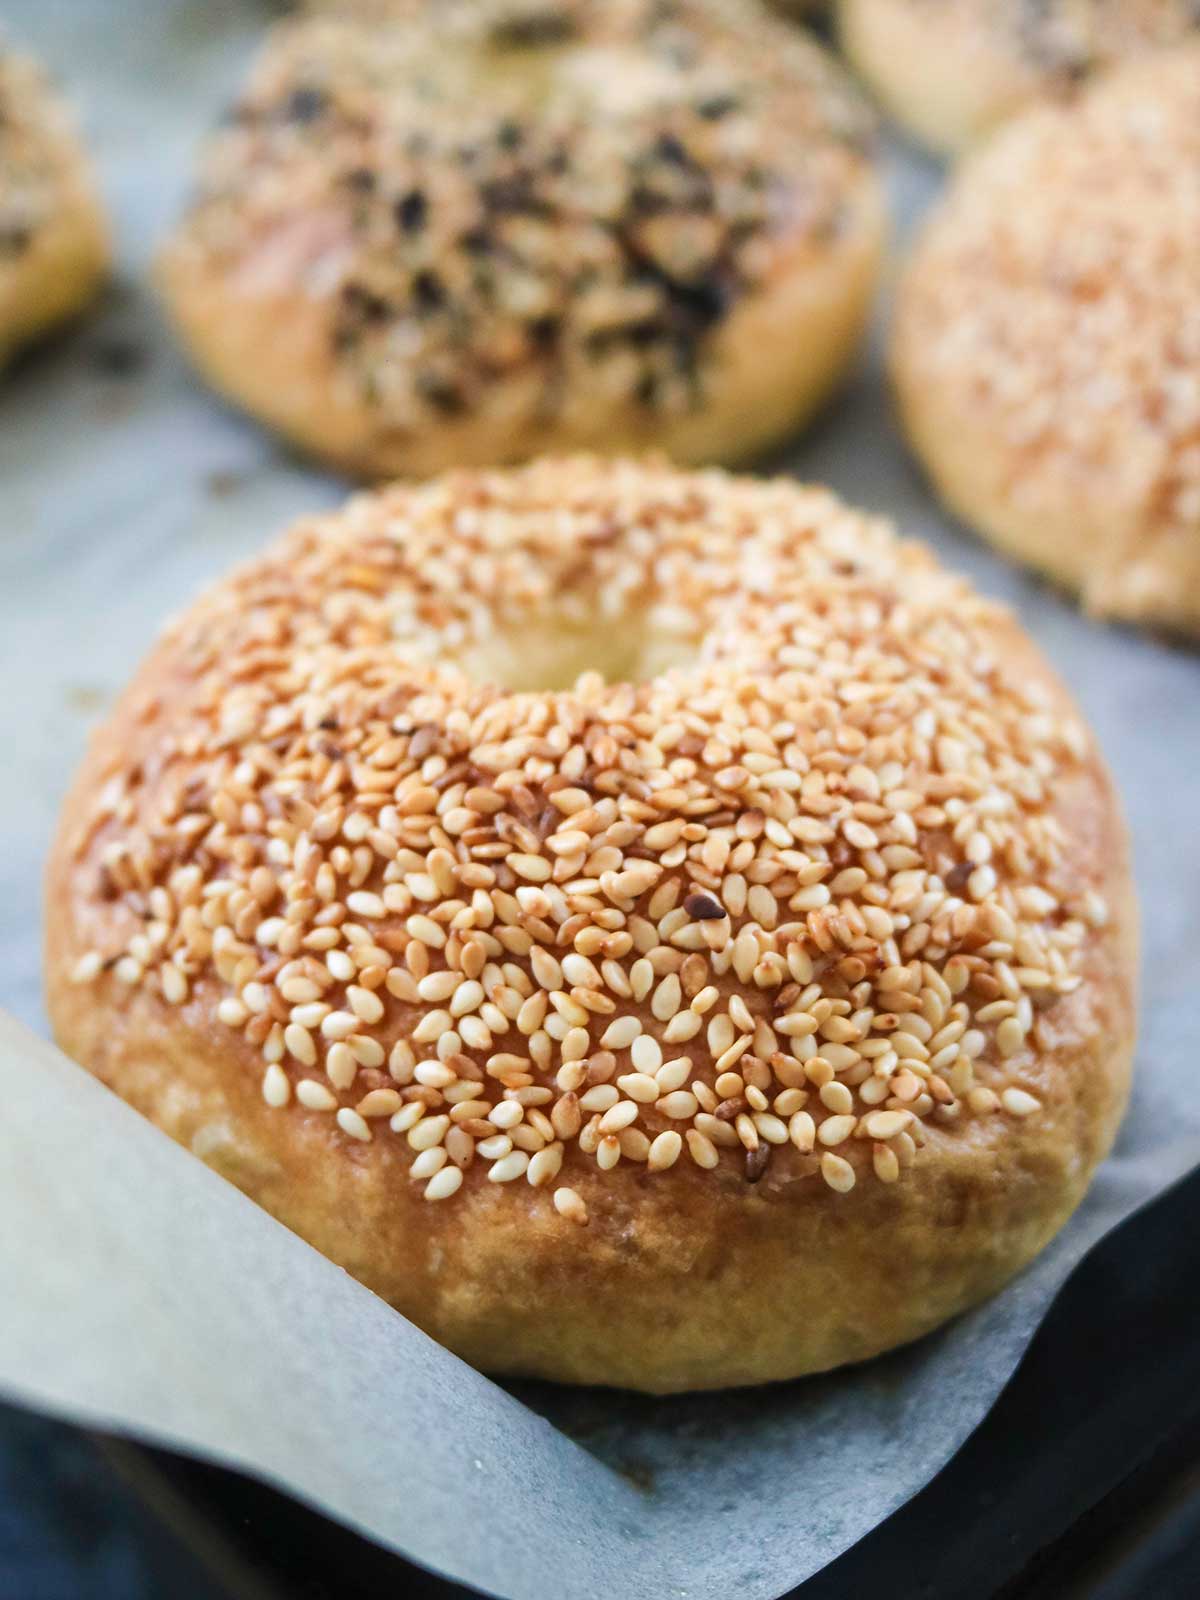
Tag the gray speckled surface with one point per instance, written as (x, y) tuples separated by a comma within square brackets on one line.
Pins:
[(121, 492)]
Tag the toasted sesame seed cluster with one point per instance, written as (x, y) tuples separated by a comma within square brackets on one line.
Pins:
[(1053, 303), (788, 899), (573, 194)]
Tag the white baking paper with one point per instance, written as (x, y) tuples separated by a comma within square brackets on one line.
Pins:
[(139, 1292)]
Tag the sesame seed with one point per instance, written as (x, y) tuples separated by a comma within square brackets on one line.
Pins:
[(802, 1131), (640, 1086), (608, 1152), (569, 1204), (702, 1150), (602, 1098), (837, 1172), (315, 1095), (886, 1164), (443, 1184), (428, 1132), (379, 1103), (544, 1165), (836, 1130), (733, 1054), (87, 967), (352, 1123), (646, 1054), (621, 1033), (299, 1043), (680, 1105), (427, 1163), (174, 984), (664, 1151), (276, 1086), (495, 1147), (1010, 1036), (836, 1097), (367, 1007), (1019, 1103), (770, 1128), (886, 1124), (514, 1165), (673, 1074)]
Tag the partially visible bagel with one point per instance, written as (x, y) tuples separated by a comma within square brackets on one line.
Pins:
[(951, 70), (1046, 347), (496, 228), (53, 241)]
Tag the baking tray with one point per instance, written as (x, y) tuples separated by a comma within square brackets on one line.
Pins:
[(1083, 1481)]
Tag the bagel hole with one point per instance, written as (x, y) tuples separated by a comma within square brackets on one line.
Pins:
[(541, 656)]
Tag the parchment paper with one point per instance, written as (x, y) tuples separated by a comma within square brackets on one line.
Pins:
[(141, 1293)]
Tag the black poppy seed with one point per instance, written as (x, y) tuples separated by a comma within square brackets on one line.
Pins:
[(717, 106), (513, 194), (703, 908), (14, 238), (647, 202), (537, 29), (411, 210), (756, 1162), (363, 304), (305, 104), (543, 331), (669, 147), (642, 335), (428, 291), (441, 395)]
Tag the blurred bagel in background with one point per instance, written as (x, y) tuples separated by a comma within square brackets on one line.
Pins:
[(950, 70), (53, 242), (1046, 346), (376, 9), (494, 228)]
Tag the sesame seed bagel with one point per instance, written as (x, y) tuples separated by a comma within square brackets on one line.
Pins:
[(53, 246), (477, 233), (744, 1004), (1047, 343), (950, 70)]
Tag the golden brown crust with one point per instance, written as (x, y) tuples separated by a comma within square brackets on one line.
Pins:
[(951, 70), (697, 1275), (1047, 343), (447, 298), (53, 243)]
